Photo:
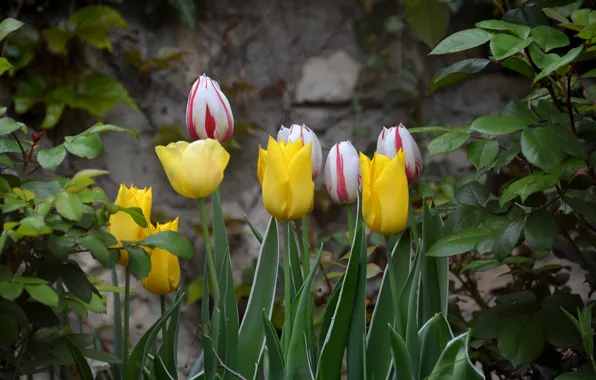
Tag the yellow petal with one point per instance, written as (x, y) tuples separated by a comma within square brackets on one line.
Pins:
[(367, 202), (170, 157), (164, 276), (392, 195), (202, 167), (301, 186), (275, 181), (290, 150), (261, 164)]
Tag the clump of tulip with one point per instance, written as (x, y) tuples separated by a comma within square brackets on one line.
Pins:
[(392, 140)]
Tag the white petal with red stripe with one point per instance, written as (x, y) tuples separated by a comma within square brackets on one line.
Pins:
[(342, 173), (305, 134), (391, 140)]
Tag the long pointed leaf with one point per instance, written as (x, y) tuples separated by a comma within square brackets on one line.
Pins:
[(80, 361), (356, 350), (208, 348), (401, 356), (329, 311), (169, 347), (378, 362), (262, 296), (409, 311), (254, 230), (274, 354), (299, 367), (454, 362), (431, 287), (160, 370), (297, 279), (332, 352), (228, 335), (433, 338)]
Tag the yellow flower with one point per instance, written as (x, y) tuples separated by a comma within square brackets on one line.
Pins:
[(194, 169), (164, 276), (385, 194), (122, 226), (285, 174)]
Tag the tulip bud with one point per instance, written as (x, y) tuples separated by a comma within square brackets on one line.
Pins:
[(391, 140), (342, 173), (208, 112), (305, 135)]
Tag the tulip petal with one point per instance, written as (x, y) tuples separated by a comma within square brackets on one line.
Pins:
[(162, 277), (170, 157), (202, 167), (275, 181), (391, 188), (367, 203), (301, 186), (261, 164)]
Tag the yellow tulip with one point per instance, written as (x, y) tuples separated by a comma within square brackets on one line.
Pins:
[(385, 194), (195, 169), (122, 226), (164, 276), (285, 174)]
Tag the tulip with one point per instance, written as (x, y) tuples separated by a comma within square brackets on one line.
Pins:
[(194, 169), (342, 173), (164, 276), (385, 197), (391, 140), (285, 175), (305, 135), (122, 225), (208, 112)]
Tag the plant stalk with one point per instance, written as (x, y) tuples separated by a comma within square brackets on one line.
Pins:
[(350, 211), (305, 247), (117, 322), (287, 333), (126, 337), (393, 285), (210, 260)]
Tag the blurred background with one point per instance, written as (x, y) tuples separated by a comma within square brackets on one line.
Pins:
[(345, 68)]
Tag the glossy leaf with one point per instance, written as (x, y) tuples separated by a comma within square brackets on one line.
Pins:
[(401, 356), (528, 185), (448, 142), (433, 339), (457, 72), (80, 361), (518, 110), (504, 46), (541, 147), (276, 362), (172, 242), (481, 153), (462, 40), (497, 125), (454, 362), (139, 262), (456, 243), (540, 230), (50, 159), (571, 56), (521, 31), (549, 38), (521, 340), (428, 20)]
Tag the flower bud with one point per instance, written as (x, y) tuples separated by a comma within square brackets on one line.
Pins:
[(208, 112), (305, 135), (391, 140), (342, 173)]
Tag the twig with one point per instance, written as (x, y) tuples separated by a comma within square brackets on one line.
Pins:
[(474, 293), (326, 278), (222, 364), (569, 106), (20, 146)]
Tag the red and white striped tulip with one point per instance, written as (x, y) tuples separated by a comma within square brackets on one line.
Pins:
[(208, 112), (391, 140), (342, 173), (305, 134)]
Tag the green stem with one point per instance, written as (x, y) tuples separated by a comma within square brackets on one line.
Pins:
[(350, 210), (305, 247), (413, 226), (164, 329), (210, 260), (393, 285), (64, 370), (126, 337), (287, 333), (117, 321)]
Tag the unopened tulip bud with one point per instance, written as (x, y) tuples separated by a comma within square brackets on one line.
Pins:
[(391, 140), (342, 173), (208, 112), (305, 135)]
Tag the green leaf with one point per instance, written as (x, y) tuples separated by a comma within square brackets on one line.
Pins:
[(519, 65), (506, 238), (472, 194), (253, 229), (481, 265), (9, 25), (569, 142), (462, 40), (497, 125), (541, 230), (571, 56), (276, 363), (57, 38), (541, 147), (160, 369), (136, 213), (139, 354), (481, 153), (92, 23), (50, 159), (356, 349), (172, 242), (139, 262), (4, 65), (518, 110), (53, 114), (429, 130), (454, 362), (449, 141), (84, 146), (169, 346), (433, 337), (522, 31), (10, 291), (504, 46), (77, 282), (521, 340), (101, 128), (8, 125), (69, 206), (43, 293), (457, 72), (80, 361), (458, 242), (528, 185), (541, 59), (581, 206), (401, 356), (549, 38), (428, 20), (262, 297), (186, 11)]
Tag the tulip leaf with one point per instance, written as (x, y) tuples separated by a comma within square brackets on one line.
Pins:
[(172, 242), (262, 297), (80, 361), (160, 370), (295, 269), (276, 363), (401, 356), (433, 337), (378, 362), (332, 352), (254, 230), (169, 346), (454, 361), (356, 345), (69, 206), (138, 356), (139, 262)]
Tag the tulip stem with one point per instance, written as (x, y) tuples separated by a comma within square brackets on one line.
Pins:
[(210, 261), (393, 285), (164, 331), (350, 222), (287, 333), (117, 320), (305, 247), (126, 337), (413, 226)]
